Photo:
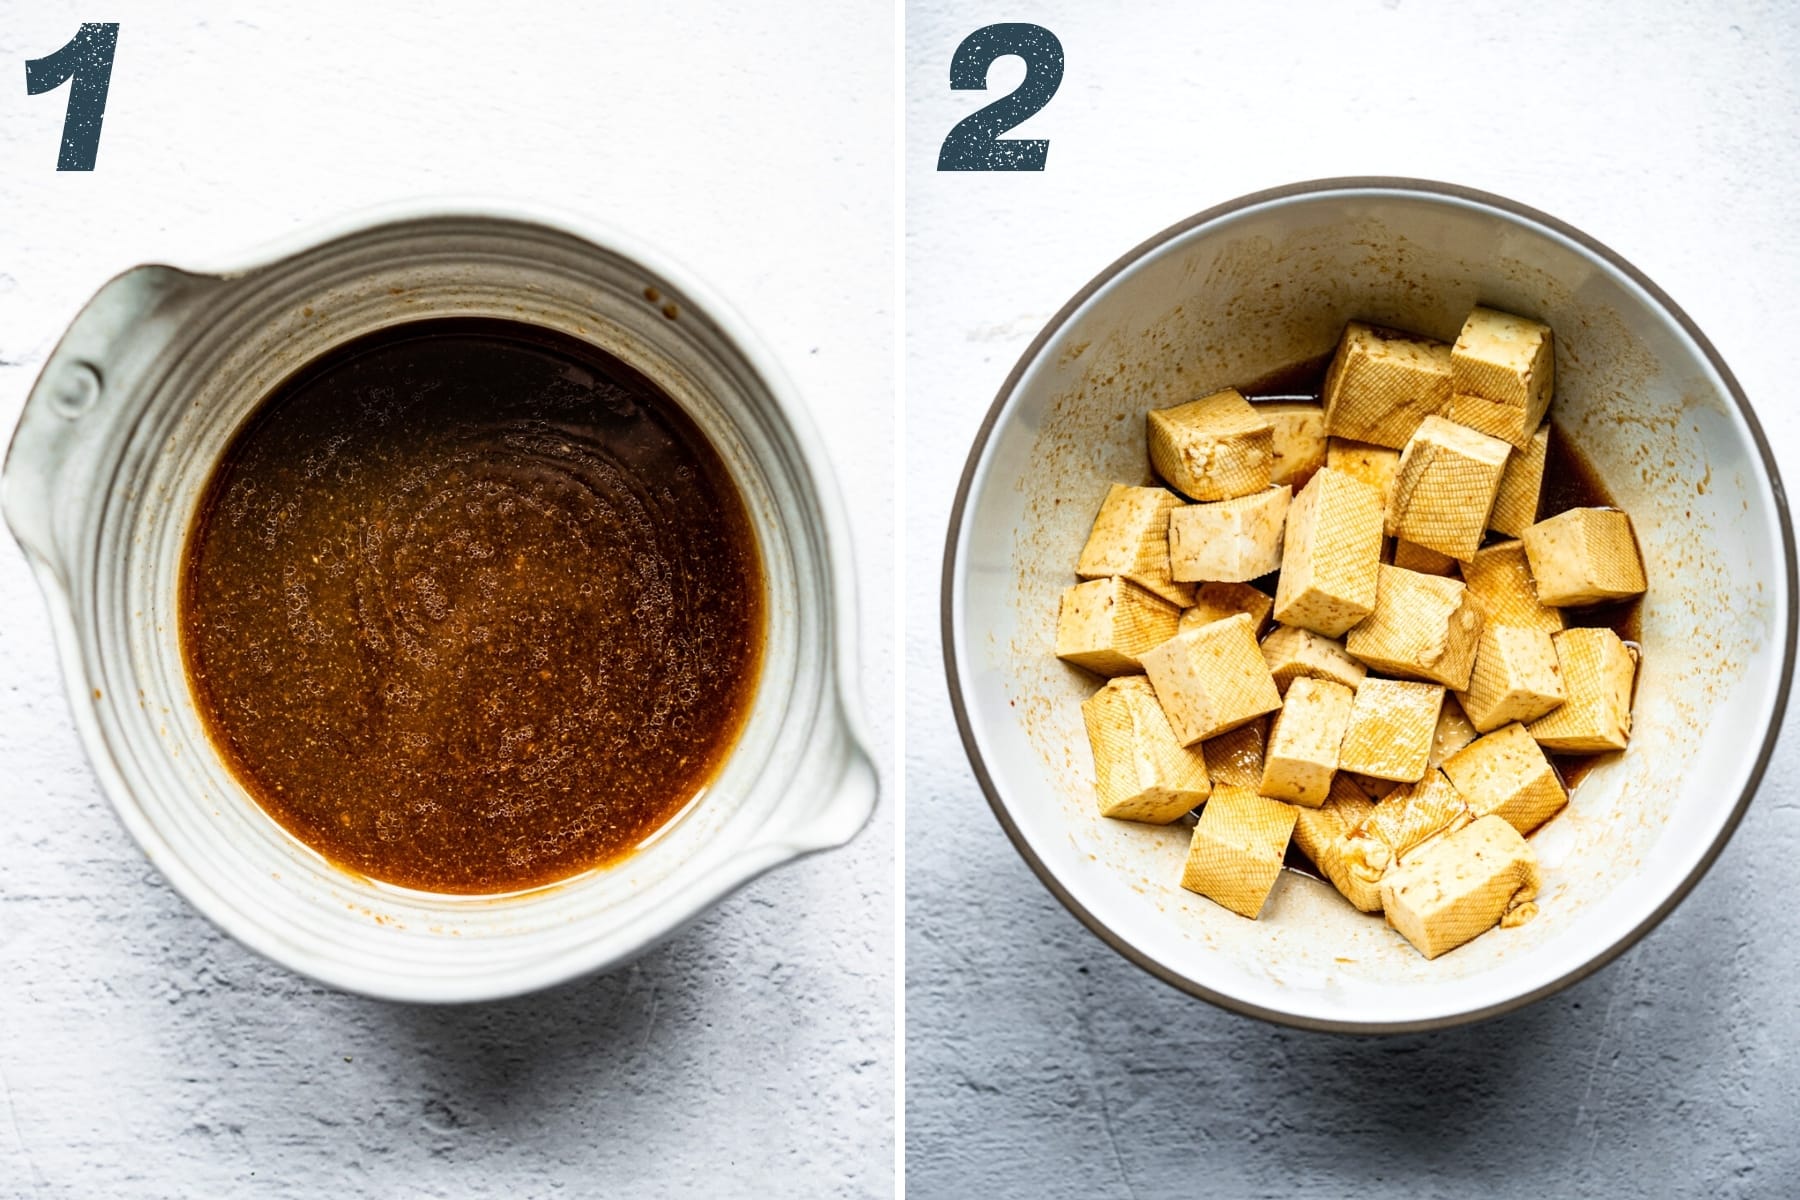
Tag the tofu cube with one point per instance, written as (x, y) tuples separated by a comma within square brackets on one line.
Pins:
[(1453, 732), (1521, 486), (1299, 427), (1407, 818), (1216, 448), (1461, 886), (1293, 653), (1391, 727), (1237, 757), (1303, 742), (1323, 835), (1216, 601), (1449, 476), (1131, 538), (1236, 852), (1597, 672), (1414, 557), (1374, 465), (1382, 383), (1106, 625), (1508, 360), (1502, 421), (1229, 541), (1375, 789), (1141, 773), (1423, 627), (1505, 774), (1584, 556), (1516, 678), (1212, 679), (1332, 553), (1499, 577)]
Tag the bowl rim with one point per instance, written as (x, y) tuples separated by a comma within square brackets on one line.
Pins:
[(1435, 190)]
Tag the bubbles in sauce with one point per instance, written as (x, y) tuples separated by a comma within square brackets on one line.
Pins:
[(470, 606)]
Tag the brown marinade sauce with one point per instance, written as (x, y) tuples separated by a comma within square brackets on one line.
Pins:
[(470, 606)]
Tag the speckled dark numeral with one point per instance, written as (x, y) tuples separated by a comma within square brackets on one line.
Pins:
[(975, 144), (87, 60)]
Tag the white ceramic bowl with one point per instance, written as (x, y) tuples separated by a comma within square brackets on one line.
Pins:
[(120, 435), (1268, 281)]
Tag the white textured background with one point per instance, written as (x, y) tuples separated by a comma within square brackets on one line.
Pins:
[(1041, 1064), (143, 1054)]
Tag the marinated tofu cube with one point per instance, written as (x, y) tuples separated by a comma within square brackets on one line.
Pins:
[(1303, 742), (1597, 673), (1454, 731), (1237, 757), (1374, 465), (1216, 601), (1106, 625), (1323, 835), (1391, 727), (1521, 486), (1499, 577), (1508, 360), (1503, 421), (1332, 553), (1449, 476), (1216, 448), (1414, 557), (1505, 774), (1516, 678), (1382, 383), (1584, 556), (1299, 427), (1462, 885), (1212, 679), (1423, 627), (1407, 818), (1131, 538), (1141, 773), (1229, 541), (1293, 653), (1236, 852)]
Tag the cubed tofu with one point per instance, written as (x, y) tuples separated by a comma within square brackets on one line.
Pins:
[(1584, 556), (1236, 852), (1462, 885), (1597, 673), (1505, 774), (1382, 383), (1508, 360), (1131, 538), (1212, 679), (1391, 727), (1521, 486), (1449, 476), (1216, 448), (1303, 742), (1292, 653), (1141, 773), (1106, 625), (1299, 427), (1499, 578), (1503, 421), (1516, 678), (1375, 789), (1216, 601), (1323, 835), (1453, 732), (1229, 541), (1423, 627), (1402, 821), (1425, 561), (1374, 465), (1332, 553), (1237, 757)]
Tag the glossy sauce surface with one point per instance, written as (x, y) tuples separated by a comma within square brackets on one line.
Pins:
[(469, 606)]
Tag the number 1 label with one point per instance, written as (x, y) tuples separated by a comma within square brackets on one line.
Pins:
[(87, 59)]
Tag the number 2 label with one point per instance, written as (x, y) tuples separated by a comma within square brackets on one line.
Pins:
[(87, 60), (974, 144)]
